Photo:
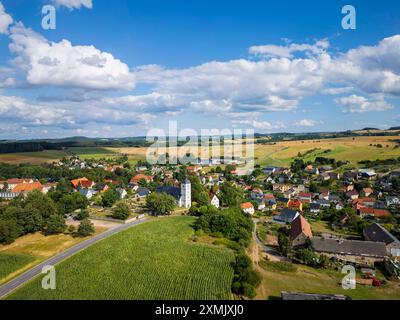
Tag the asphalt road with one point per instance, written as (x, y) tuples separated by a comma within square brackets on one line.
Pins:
[(27, 276)]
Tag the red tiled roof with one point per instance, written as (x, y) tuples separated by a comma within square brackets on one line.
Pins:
[(379, 213), (138, 177), (27, 187), (83, 182), (246, 205), (294, 203), (269, 196), (305, 195)]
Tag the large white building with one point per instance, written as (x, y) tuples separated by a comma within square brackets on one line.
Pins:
[(183, 195), (185, 200)]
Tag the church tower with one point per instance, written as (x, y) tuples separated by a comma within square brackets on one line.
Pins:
[(186, 194)]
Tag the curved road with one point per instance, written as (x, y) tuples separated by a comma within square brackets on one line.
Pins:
[(27, 276)]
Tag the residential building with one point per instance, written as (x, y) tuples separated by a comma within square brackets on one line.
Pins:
[(377, 233), (286, 216), (215, 201), (362, 253), (300, 231), (247, 208)]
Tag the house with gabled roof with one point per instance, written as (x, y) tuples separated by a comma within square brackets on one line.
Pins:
[(362, 253), (375, 232), (247, 207), (286, 216), (300, 231)]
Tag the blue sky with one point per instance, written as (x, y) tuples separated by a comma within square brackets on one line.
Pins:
[(120, 68)]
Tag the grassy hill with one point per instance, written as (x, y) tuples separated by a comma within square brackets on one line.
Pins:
[(156, 260)]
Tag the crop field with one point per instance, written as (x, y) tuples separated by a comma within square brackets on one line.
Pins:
[(349, 149), (32, 157), (155, 260), (279, 154)]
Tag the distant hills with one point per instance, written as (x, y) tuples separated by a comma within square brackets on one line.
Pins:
[(16, 146)]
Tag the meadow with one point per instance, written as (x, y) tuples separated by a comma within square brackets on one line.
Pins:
[(155, 260), (309, 280), (10, 263), (277, 154)]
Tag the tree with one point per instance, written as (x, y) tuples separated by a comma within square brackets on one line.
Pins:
[(9, 231), (161, 203), (308, 257), (121, 211), (231, 223), (82, 215), (42, 203), (85, 228), (30, 219), (199, 193), (109, 198), (245, 279), (73, 201), (284, 243), (230, 196), (55, 224)]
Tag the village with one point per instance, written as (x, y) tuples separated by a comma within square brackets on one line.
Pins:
[(317, 214)]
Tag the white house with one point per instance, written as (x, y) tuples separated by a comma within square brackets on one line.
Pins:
[(215, 201), (121, 193), (247, 208)]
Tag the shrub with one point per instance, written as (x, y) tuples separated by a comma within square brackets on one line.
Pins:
[(86, 228)]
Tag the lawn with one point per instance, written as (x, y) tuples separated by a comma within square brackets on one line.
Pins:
[(155, 260), (309, 280), (10, 263)]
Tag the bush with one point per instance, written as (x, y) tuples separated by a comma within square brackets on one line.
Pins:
[(86, 228), (9, 231), (231, 223), (246, 279), (121, 211), (161, 204), (55, 225), (82, 215)]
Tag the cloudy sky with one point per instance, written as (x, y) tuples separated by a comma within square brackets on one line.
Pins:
[(119, 68)]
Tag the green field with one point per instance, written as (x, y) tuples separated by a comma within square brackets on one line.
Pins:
[(10, 263), (341, 149), (156, 260), (276, 279)]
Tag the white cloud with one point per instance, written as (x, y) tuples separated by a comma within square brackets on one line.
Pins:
[(74, 4), (359, 104), (260, 125), (65, 65), (372, 69), (307, 123), (288, 50), (5, 20), (238, 85), (66, 114)]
